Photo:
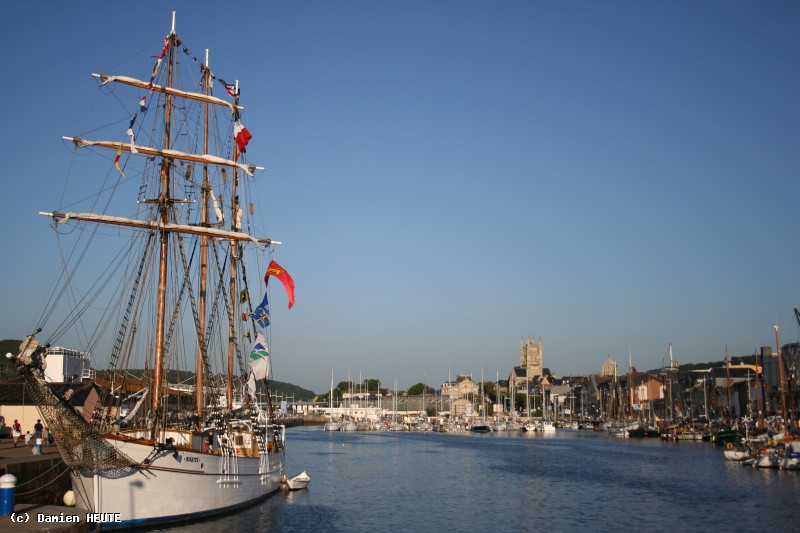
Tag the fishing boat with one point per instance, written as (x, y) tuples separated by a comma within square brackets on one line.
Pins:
[(298, 482), (174, 294)]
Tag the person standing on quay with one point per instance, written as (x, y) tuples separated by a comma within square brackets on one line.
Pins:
[(37, 435), (16, 431)]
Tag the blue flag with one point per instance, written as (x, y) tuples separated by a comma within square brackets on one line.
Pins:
[(261, 313)]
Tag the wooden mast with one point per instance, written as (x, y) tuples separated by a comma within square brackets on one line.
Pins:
[(232, 281), (630, 386), (164, 206), (198, 384), (759, 389)]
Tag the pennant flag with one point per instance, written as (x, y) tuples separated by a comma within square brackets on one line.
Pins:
[(133, 121), (261, 313), (130, 133), (155, 68), (274, 269), (241, 135), (143, 104), (230, 88), (259, 358), (116, 161), (155, 73), (251, 386)]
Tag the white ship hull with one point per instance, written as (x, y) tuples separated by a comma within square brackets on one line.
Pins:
[(178, 485)]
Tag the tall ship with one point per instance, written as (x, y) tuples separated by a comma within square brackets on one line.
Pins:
[(153, 252)]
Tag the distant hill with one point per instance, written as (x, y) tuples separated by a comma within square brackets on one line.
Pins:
[(287, 389), (280, 388), (688, 367)]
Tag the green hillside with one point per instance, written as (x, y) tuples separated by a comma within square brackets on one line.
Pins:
[(288, 389)]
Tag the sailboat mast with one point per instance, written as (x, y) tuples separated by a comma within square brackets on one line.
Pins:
[(780, 375), (164, 206), (759, 369), (231, 307), (728, 384), (630, 385), (232, 288), (206, 188), (669, 384)]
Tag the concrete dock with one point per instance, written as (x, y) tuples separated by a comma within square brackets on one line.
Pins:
[(49, 518), (41, 483)]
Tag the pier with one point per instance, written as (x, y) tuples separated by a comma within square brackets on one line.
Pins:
[(42, 481)]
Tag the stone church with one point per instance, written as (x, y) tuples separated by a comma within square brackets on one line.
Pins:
[(530, 357), (530, 364)]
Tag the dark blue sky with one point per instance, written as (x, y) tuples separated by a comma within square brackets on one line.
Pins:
[(448, 176)]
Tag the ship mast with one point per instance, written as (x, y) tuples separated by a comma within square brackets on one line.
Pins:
[(235, 227), (203, 258), (164, 222), (164, 207)]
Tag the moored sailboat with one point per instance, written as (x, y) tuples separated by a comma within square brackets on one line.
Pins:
[(178, 291)]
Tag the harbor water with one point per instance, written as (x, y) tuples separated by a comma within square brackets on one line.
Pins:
[(570, 481)]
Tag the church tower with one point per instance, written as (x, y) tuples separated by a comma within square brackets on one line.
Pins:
[(609, 367), (530, 357)]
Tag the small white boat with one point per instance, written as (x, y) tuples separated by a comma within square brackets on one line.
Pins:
[(768, 459), (545, 426), (733, 454), (298, 482), (791, 460), (348, 425), (332, 425)]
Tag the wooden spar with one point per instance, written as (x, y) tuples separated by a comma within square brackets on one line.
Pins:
[(158, 226), (158, 366), (207, 98), (167, 154), (232, 281), (198, 384)]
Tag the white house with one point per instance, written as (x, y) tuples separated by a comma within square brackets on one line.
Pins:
[(65, 365)]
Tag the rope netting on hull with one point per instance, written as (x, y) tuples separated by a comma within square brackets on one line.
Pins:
[(81, 446)]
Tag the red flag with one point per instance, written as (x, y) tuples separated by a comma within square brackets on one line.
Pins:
[(241, 135), (274, 269), (116, 161)]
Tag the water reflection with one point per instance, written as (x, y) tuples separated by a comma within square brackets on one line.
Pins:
[(462, 482)]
